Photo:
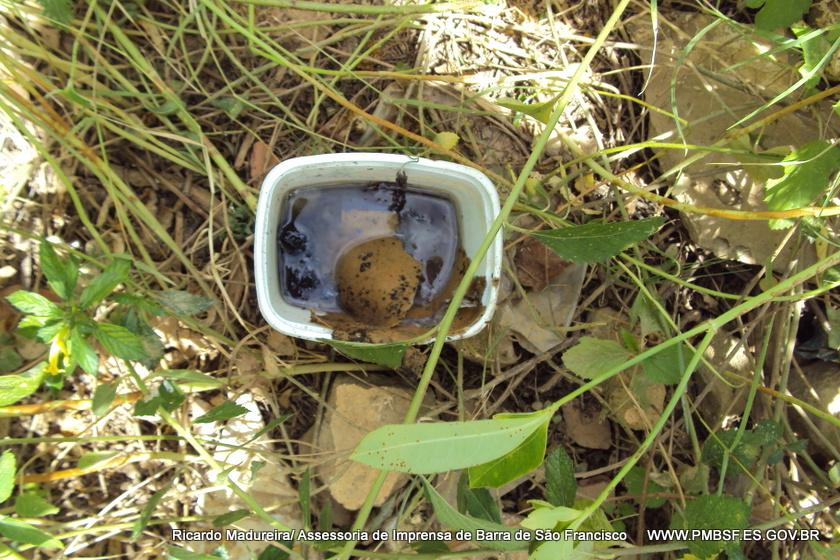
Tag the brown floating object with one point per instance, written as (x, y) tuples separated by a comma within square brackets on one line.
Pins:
[(377, 281)]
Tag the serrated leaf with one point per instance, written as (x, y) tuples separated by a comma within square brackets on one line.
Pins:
[(591, 357), (224, 411), (61, 275), (667, 366), (171, 397), (10, 360), (447, 140), (58, 10), (597, 241), (34, 304), (7, 475), (21, 532), (33, 505), (449, 517), (83, 353), (184, 303), (88, 460), (714, 448), (635, 483), (230, 517), (147, 512), (442, 446), (139, 302), (522, 460), (560, 483), (105, 283), (388, 355), (714, 512), (17, 386), (539, 111), (477, 502), (103, 397), (120, 342), (806, 174), (777, 14), (191, 378)]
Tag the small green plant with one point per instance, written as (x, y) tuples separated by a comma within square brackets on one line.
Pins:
[(30, 503)]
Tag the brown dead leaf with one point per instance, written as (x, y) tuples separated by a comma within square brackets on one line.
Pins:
[(537, 265), (262, 158), (281, 344), (586, 427)]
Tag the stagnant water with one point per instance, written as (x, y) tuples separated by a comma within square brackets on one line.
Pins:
[(320, 224)]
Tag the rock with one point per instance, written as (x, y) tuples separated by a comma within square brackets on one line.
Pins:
[(377, 281), (353, 410), (587, 428), (731, 81), (819, 385)]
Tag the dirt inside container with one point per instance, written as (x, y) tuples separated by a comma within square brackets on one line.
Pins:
[(375, 262)]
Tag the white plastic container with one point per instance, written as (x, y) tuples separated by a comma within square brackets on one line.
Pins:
[(473, 193)]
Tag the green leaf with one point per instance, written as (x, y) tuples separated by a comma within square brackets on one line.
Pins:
[(813, 51), (191, 378), (34, 304), (635, 482), (224, 411), (103, 397), (560, 483), (591, 357), (806, 174), (120, 342), (141, 303), (113, 275), (441, 446), (547, 516), (7, 475), (645, 313), (147, 512), (597, 241), (184, 303), (58, 10), (32, 505), (230, 517), (10, 360), (21, 532), (61, 275), (745, 453), (171, 397), (88, 460), (776, 14), (447, 140), (388, 355), (540, 111), (17, 386), (667, 366), (178, 553), (552, 550), (449, 517), (522, 460), (714, 512), (147, 407), (83, 353), (477, 502), (230, 105)]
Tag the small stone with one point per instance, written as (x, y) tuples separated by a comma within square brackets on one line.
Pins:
[(377, 281), (353, 410)]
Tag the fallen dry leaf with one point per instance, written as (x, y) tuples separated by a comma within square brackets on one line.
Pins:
[(536, 264), (586, 427)]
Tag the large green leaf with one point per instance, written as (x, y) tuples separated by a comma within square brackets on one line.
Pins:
[(449, 517), (522, 460), (442, 446), (560, 483), (477, 502), (597, 241), (806, 174), (667, 366), (30, 504), (7, 475), (113, 275), (224, 411), (713, 512), (778, 14), (58, 10), (34, 304), (120, 342), (17, 386), (61, 275), (21, 532), (591, 357), (388, 355), (83, 352)]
